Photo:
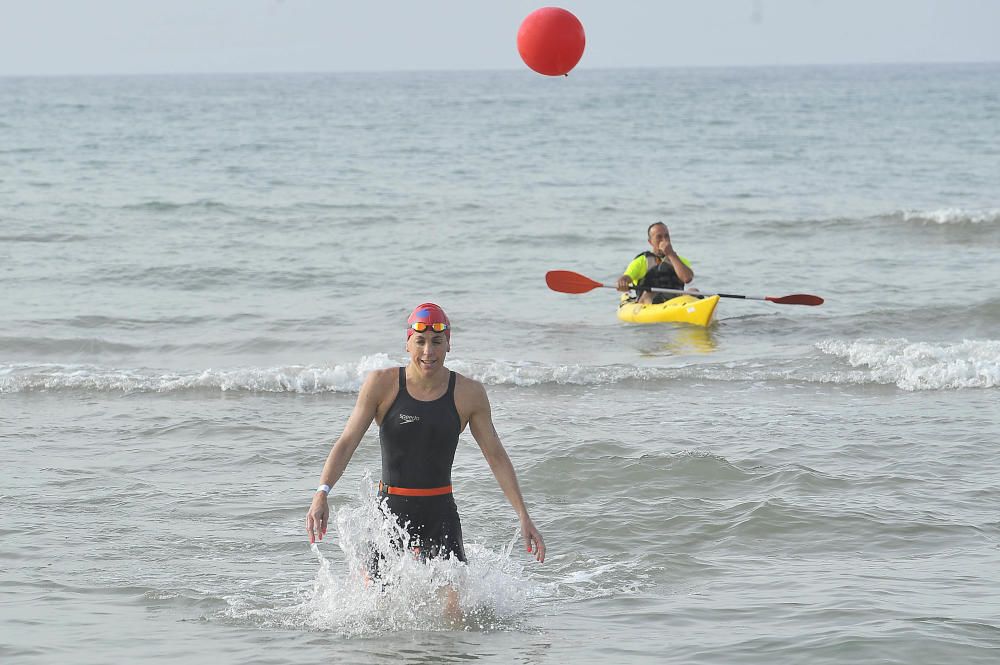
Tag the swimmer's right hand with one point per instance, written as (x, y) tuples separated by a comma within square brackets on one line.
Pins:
[(317, 517)]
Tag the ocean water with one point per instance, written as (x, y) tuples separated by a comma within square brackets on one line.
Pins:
[(198, 272)]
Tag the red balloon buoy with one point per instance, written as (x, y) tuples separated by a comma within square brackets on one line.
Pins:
[(551, 40)]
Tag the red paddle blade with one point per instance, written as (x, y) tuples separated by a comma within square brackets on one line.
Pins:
[(796, 299), (566, 281)]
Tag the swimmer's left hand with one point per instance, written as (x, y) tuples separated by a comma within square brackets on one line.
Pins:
[(532, 537)]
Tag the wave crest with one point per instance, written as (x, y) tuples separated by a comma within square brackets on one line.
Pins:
[(346, 378), (923, 365), (952, 216), (337, 378), (170, 206), (908, 365)]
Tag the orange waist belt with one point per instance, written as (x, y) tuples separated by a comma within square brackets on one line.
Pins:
[(414, 491)]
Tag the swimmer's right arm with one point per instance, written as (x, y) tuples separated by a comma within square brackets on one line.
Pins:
[(343, 449)]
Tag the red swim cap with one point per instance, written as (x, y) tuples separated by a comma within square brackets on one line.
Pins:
[(428, 313)]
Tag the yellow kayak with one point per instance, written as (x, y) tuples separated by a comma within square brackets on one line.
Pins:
[(682, 309)]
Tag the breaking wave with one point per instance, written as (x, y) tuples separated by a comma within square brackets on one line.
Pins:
[(908, 365), (337, 378), (293, 379), (952, 216), (922, 365)]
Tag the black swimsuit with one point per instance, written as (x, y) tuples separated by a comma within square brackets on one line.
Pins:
[(419, 440)]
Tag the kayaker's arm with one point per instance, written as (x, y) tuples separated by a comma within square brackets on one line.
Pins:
[(633, 273), (682, 269), (666, 250)]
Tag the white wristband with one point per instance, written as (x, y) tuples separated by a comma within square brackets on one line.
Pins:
[(325, 489)]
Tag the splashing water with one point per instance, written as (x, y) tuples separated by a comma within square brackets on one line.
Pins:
[(408, 593)]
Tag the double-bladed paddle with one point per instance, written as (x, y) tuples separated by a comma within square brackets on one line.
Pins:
[(566, 281)]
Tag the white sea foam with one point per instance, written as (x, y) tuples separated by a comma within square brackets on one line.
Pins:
[(346, 377), (911, 366), (337, 378), (492, 590), (953, 216), (500, 372), (922, 365)]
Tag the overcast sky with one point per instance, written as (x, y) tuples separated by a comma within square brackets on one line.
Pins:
[(173, 36)]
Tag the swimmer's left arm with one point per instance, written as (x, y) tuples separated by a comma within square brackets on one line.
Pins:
[(485, 434)]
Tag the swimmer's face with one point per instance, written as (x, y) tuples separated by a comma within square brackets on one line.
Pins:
[(427, 350)]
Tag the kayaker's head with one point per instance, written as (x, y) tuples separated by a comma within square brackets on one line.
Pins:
[(428, 337), (657, 233)]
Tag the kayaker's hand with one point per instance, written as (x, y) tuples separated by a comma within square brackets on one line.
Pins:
[(665, 248), (624, 283)]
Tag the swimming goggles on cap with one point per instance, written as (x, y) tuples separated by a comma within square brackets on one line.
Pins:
[(422, 326)]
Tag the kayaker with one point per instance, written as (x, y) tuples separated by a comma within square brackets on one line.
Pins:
[(421, 409), (660, 268)]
